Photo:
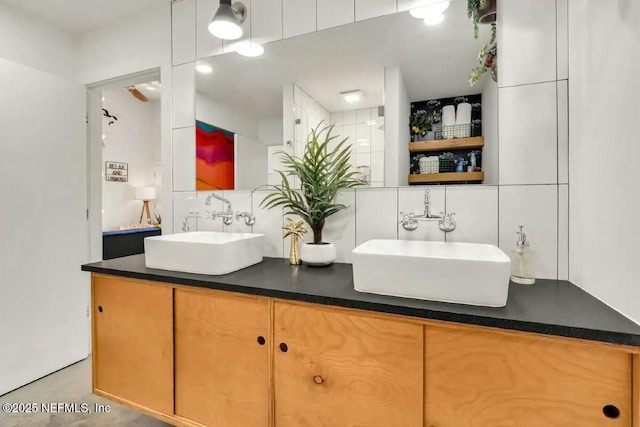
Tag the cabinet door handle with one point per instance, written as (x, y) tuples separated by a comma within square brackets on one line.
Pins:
[(261, 340), (318, 379), (283, 347), (100, 308)]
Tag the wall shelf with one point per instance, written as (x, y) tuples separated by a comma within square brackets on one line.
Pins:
[(446, 177), (446, 144)]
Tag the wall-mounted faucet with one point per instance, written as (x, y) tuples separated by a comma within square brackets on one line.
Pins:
[(446, 222), (190, 215), (226, 215), (249, 218)]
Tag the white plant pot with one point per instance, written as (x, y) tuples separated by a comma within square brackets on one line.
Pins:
[(318, 255)]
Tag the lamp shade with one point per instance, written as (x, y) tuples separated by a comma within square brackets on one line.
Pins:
[(145, 193), (224, 24)]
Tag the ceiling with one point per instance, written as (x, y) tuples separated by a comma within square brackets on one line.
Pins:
[(435, 62), (80, 16)]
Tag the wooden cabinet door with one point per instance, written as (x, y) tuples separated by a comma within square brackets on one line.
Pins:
[(335, 368), (222, 359), (133, 342), (484, 379)]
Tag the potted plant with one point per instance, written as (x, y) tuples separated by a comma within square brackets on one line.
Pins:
[(481, 12), (420, 125), (487, 60), (322, 173)]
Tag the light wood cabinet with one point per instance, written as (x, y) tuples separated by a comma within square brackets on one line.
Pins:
[(197, 357), (133, 342), (333, 368), (484, 379), (222, 359)]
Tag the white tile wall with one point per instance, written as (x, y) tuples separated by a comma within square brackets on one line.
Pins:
[(184, 204), (269, 222), (411, 199), (563, 232), (183, 40), (184, 92), (476, 209), (366, 9), (240, 202), (535, 207), (184, 159), (206, 44), (563, 38), (376, 214), (528, 134), (299, 17), (267, 20), (563, 132), (204, 223), (332, 13), (340, 229), (527, 26)]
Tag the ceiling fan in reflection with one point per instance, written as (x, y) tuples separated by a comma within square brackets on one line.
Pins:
[(137, 94)]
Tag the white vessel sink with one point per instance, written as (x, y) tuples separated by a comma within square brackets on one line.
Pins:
[(203, 252), (463, 273)]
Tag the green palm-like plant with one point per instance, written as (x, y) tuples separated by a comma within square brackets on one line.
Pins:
[(322, 174)]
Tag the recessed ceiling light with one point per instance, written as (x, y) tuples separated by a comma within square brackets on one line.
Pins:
[(155, 82), (250, 49), (429, 8), (352, 96), (433, 19), (362, 140), (204, 68), (370, 122), (149, 87)]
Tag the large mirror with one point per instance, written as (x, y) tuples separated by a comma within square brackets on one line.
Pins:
[(367, 79)]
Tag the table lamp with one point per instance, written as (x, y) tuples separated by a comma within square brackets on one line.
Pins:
[(145, 194)]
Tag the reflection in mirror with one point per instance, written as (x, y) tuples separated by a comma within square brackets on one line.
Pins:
[(364, 78)]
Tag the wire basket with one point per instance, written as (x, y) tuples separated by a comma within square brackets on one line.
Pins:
[(429, 164), (456, 131), (447, 165)]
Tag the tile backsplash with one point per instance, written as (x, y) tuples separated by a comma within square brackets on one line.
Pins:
[(484, 214)]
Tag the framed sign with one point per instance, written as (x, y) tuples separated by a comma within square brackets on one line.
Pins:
[(116, 172)]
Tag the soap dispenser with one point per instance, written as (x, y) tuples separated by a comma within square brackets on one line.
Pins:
[(523, 261)]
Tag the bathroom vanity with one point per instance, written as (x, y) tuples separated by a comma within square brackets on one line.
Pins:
[(275, 345)]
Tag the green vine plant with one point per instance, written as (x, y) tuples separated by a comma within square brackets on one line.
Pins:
[(473, 11), (487, 59)]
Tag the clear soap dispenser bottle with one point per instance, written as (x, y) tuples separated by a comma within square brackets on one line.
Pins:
[(523, 261)]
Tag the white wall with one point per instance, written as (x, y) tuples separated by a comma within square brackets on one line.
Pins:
[(132, 139), (397, 110), (136, 43), (364, 129), (490, 131), (604, 150), (214, 113), (43, 293)]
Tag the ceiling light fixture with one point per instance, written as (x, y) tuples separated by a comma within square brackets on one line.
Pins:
[(352, 96), (430, 10), (204, 68), (226, 22)]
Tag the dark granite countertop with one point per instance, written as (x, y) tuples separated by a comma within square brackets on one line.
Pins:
[(549, 307)]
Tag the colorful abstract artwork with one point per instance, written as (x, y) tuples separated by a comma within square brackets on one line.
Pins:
[(214, 157)]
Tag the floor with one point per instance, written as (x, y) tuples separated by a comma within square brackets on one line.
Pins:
[(70, 385)]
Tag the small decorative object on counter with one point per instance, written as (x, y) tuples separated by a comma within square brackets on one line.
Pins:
[(296, 231), (523, 261), (157, 221)]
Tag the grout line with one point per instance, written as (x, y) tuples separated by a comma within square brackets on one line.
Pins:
[(527, 84)]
